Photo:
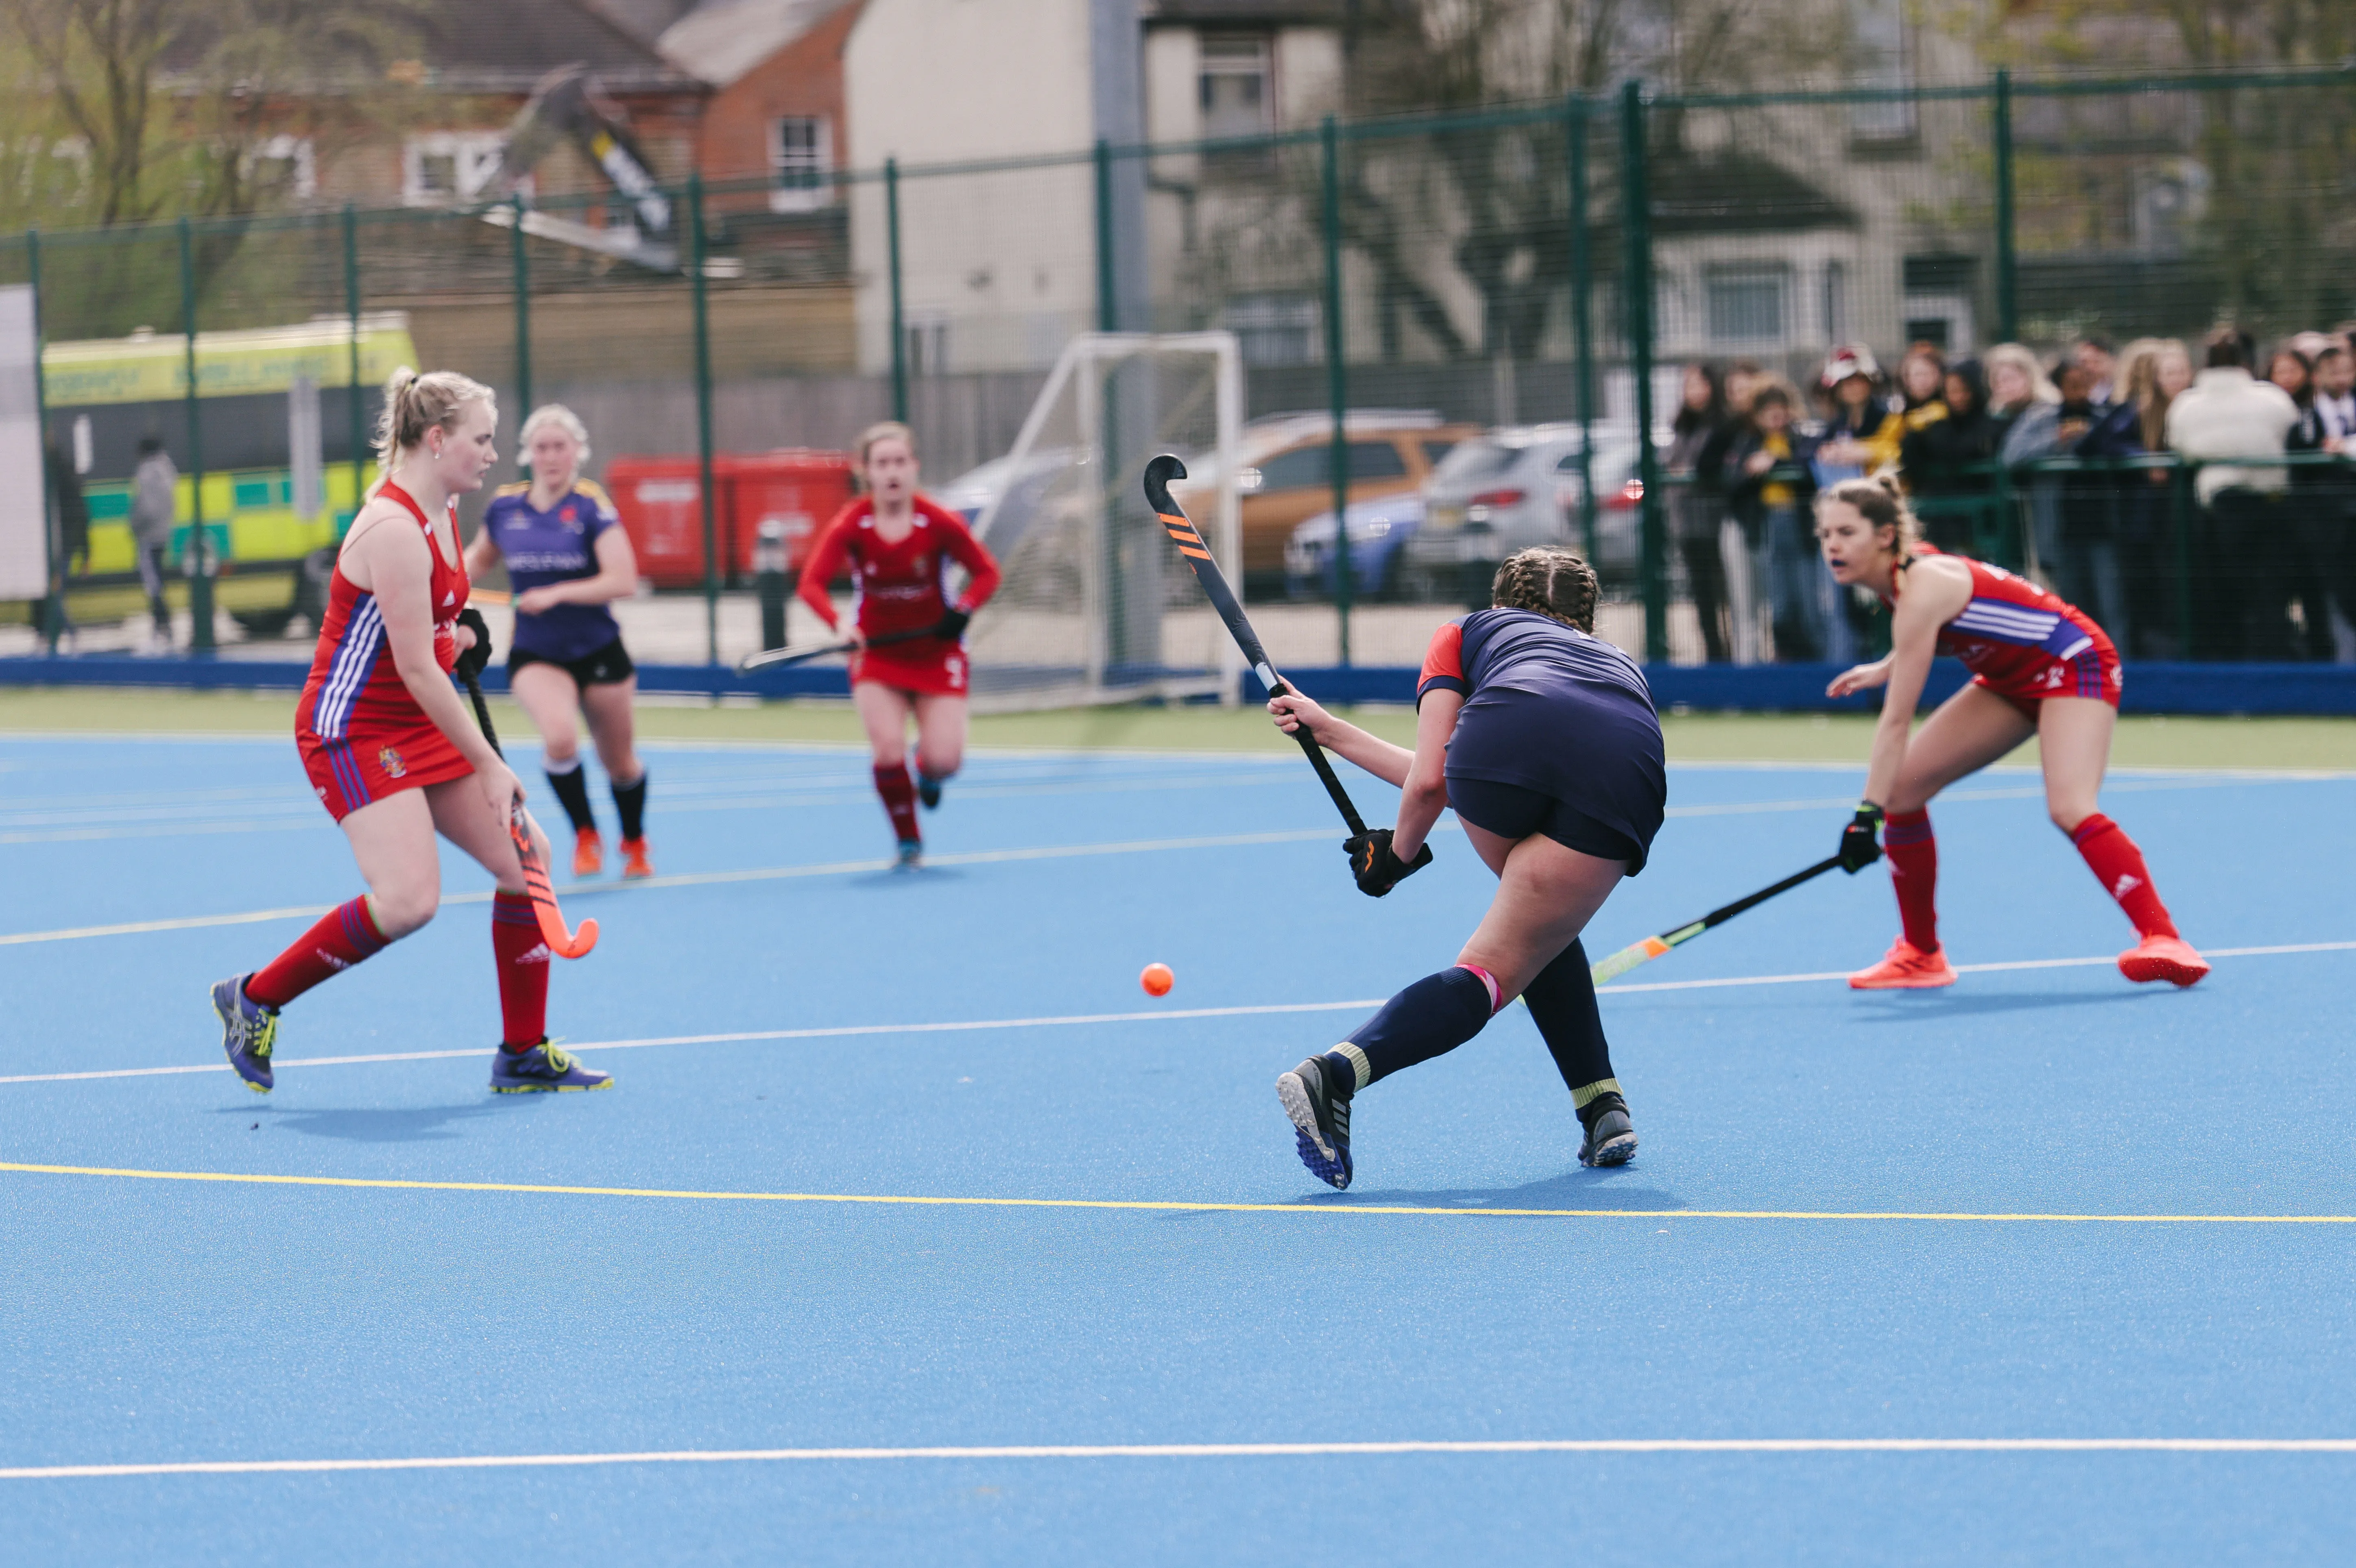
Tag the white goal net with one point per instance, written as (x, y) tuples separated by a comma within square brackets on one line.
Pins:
[(1097, 605)]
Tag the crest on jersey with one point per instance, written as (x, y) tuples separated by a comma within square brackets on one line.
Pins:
[(570, 516), (389, 760)]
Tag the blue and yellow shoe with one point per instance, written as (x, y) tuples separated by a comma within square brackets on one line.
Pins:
[(546, 1068), (1321, 1121), (249, 1030)]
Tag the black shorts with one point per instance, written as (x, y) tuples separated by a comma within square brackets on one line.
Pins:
[(608, 665), (1517, 811)]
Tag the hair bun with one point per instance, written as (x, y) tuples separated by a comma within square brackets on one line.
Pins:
[(398, 382)]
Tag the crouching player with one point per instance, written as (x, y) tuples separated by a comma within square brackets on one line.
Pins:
[(1543, 738), (392, 752), (2039, 668)]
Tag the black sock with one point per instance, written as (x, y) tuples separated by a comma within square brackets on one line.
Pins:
[(572, 787), (1431, 1017), (630, 800), (1562, 1004)]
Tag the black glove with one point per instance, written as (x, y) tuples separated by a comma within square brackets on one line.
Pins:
[(1376, 867), (951, 626), (1858, 846), (472, 661)]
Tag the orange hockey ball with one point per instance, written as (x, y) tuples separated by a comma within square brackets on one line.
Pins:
[(1157, 979)]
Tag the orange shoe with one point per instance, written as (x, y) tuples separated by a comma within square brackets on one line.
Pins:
[(588, 853), (634, 863), (2170, 958), (1906, 967)]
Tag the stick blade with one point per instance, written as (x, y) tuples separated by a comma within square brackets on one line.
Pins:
[(562, 942)]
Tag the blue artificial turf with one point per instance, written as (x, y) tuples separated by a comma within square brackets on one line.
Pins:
[(148, 1321)]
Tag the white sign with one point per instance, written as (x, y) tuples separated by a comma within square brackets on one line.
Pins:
[(24, 509)]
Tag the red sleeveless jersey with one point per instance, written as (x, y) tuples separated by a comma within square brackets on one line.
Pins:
[(2026, 643), (361, 733)]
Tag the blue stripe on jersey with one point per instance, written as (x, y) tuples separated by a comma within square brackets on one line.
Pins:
[(1996, 620), (348, 671)]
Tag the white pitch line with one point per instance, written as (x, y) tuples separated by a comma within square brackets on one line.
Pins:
[(1220, 1451), (842, 1031)]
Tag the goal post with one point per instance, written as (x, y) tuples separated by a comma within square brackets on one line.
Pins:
[(1096, 605)]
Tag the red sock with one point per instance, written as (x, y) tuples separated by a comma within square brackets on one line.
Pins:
[(2118, 864), (1913, 855), (523, 960), (343, 937), (899, 799)]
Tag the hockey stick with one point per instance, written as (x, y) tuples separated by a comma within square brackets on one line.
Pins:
[(562, 942), (1652, 947), (768, 658), (1158, 475)]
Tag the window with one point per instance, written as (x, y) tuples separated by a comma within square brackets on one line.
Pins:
[(1235, 86), (1836, 302), (1375, 460), (1305, 466), (927, 345), (284, 164), (1880, 46), (1274, 329), (449, 165), (1434, 451), (801, 163), (1745, 303)]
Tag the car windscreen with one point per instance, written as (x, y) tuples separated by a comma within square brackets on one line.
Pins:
[(1473, 461)]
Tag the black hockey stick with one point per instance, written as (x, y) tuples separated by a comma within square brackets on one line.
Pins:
[(1652, 947), (769, 658), (1158, 475), (563, 942)]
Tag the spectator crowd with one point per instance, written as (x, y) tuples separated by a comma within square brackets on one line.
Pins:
[(2158, 495)]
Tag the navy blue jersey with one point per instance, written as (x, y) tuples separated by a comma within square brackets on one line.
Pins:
[(1555, 709), (559, 545)]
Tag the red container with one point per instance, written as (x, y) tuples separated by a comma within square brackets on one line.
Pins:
[(795, 486), (661, 503)]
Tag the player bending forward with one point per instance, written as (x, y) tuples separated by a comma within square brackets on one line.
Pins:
[(1543, 738), (392, 750), (909, 660), (569, 558), (2040, 667)]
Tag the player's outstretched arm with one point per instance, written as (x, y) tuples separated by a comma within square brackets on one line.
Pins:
[(1291, 711)]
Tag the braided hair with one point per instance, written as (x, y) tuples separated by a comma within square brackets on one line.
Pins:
[(1882, 504), (1549, 580)]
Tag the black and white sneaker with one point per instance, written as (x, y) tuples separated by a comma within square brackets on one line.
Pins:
[(1321, 1120), (1611, 1136)]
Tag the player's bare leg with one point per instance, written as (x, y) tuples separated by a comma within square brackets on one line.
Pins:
[(2074, 735), (526, 1059), (940, 744), (1970, 731), (552, 703), (884, 713), (613, 725)]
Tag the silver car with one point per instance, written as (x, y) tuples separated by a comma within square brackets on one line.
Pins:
[(1519, 486)]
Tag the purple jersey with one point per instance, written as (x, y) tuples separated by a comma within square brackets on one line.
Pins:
[(559, 545)]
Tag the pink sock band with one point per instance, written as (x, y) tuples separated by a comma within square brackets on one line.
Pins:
[(1497, 992)]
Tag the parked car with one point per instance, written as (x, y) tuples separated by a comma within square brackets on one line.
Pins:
[(1515, 486), (1285, 475), (1379, 529)]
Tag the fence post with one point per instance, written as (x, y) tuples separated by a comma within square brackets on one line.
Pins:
[(1337, 383), (522, 264), (1637, 221), (703, 418), (53, 604), (1107, 303), (352, 366), (1582, 312), (899, 327), (2007, 264), (200, 583)]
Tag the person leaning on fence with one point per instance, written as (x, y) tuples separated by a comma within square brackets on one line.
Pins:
[(2334, 413), (2095, 356), (2078, 512), (1768, 482), (1922, 388), (1697, 505), (1945, 460), (154, 507), (2152, 371), (2311, 541), (2235, 426)]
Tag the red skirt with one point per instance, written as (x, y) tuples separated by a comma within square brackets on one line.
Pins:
[(374, 762), (920, 670)]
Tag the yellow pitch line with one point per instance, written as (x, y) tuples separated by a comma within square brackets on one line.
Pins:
[(1175, 1205)]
